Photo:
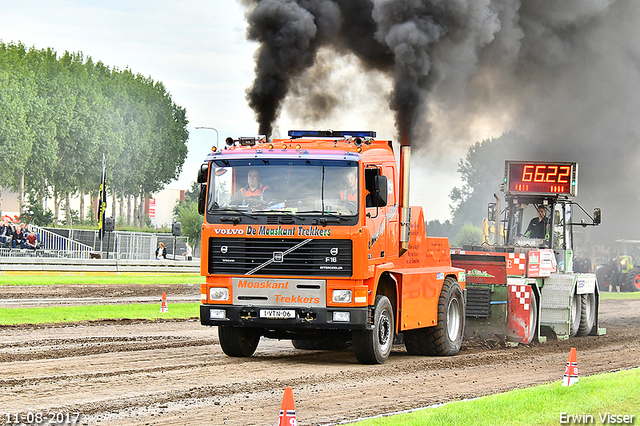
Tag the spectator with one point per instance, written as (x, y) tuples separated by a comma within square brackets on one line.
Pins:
[(6, 233), (161, 252), (32, 241), (18, 237), (188, 254)]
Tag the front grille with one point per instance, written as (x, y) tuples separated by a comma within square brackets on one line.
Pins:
[(478, 302), (239, 256)]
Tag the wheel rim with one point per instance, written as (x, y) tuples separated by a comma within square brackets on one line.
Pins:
[(384, 331), (453, 319), (636, 281)]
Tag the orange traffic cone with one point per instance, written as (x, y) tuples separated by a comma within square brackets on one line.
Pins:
[(571, 372), (164, 308), (287, 411)]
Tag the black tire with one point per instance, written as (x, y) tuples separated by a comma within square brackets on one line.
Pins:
[(374, 346), (319, 345), (533, 319), (445, 338), (238, 341), (587, 314), (633, 280), (576, 309)]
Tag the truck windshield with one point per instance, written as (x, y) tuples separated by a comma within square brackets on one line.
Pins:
[(284, 186)]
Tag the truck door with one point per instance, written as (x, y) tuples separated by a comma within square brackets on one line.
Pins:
[(376, 218)]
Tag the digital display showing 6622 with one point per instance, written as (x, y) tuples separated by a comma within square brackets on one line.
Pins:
[(532, 177)]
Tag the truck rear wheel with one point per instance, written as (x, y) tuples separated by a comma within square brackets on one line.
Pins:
[(633, 280), (445, 338), (238, 341), (576, 309), (587, 314), (374, 346)]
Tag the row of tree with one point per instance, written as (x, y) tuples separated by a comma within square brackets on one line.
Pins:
[(59, 114)]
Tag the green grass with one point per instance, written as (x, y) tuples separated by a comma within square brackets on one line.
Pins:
[(619, 296), (614, 393), (147, 278), (62, 314)]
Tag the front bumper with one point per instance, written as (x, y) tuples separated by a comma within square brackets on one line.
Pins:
[(305, 318)]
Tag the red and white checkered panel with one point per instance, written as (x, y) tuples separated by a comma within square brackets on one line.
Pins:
[(518, 260), (523, 294)]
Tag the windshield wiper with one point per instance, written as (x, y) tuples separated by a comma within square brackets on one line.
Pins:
[(234, 219), (323, 213)]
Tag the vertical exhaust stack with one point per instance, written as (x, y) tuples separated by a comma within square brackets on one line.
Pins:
[(405, 211)]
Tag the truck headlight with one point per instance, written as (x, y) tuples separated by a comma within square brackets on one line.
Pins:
[(341, 296), (218, 293)]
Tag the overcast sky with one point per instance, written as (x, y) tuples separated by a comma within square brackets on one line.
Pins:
[(198, 49)]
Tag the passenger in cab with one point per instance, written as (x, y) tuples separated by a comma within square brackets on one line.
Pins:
[(350, 193)]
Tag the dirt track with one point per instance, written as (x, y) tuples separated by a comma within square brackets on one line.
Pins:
[(174, 373)]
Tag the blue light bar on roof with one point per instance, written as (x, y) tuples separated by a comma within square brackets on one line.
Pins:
[(331, 133)]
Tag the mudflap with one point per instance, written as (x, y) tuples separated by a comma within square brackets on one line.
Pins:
[(523, 310)]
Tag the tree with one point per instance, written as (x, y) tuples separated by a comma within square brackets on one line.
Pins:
[(482, 171), (186, 212), (469, 234), (191, 221), (435, 228), (58, 115)]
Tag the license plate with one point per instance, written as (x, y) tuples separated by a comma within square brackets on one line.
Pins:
[(277, 313)]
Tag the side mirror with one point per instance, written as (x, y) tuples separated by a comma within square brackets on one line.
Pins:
[(202, 173), (556, 218), (491, 212), (202, 197), (379, 197), (597, 216)]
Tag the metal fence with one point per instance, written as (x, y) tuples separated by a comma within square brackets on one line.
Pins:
[(86, 244)]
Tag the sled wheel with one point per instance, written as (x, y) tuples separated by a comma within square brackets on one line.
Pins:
[(576, 309), (533, 319), (587, 314)]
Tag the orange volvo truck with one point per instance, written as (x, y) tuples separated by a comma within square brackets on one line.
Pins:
[(311, 239)]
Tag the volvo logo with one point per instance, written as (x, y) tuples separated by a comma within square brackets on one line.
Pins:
[(278, 256), (224, 249), (334, 251)]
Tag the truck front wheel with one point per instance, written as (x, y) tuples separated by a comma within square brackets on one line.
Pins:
[(238, 341), (374, 346), (444, 338)]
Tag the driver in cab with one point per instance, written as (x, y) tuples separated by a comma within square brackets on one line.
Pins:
[(539, 226), (253, 192)]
